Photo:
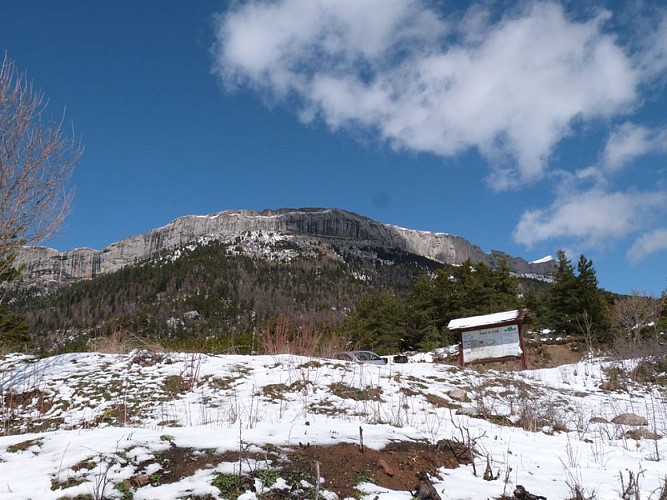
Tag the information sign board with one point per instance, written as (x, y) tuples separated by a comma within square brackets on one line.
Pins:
[(490, 343)]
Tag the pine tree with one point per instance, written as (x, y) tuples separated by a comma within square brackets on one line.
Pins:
[(459, 291), (591, 304), (14, 333), (378, 323), (575, 302), (562, 295)]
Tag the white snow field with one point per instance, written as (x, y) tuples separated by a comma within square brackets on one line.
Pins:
[(84, 425)]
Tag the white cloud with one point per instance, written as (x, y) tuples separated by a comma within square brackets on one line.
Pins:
[(624, 145), (511, 90), (649, 243), (653, 59), (592, 218), (629, 142)]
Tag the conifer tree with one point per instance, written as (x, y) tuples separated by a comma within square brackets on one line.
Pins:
[(591, 303), (575, 300), (378, 323), (460, 291)]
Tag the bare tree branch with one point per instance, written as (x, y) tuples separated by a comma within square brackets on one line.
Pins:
[(36, 162)]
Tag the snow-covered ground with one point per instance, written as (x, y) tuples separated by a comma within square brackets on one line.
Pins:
[(80, 424)]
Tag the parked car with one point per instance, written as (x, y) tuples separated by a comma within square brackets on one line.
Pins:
[(360, 357)]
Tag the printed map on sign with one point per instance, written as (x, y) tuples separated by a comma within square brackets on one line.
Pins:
[(491, 343)]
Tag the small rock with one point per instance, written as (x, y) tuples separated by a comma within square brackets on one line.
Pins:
[(458, 395), (598, 420), (137, 482), (467, 411), (642, 433), (629, 419), (385, 468), (192, 315), (425, 489), (520, 493)]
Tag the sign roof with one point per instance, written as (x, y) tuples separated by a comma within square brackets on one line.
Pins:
[(487, 319)]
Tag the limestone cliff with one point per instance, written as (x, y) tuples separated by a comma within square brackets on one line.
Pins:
[(332, 226)]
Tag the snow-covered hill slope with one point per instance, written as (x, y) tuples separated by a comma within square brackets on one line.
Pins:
[(112, 426)]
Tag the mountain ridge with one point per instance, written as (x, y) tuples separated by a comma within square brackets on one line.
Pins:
[(332, 225)]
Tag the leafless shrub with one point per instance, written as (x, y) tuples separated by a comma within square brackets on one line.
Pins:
[(190, 371), (480, 396), (284, 337), (537, 414), (636, 313), (577, 490), (101, 479), (116, 343), (467, 442), (330, 344), (624, 348), (585, 324), (23, 389), (122, 342), (661, 491), (630, 490)]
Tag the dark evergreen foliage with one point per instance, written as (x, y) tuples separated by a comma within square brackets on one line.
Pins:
[(386, 323), (213, 290), (575, 300), (378, 322), (14, 333), (459, 291)]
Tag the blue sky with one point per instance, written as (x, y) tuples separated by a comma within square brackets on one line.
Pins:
[(521, 128)]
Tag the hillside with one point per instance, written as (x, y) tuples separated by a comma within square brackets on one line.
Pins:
[(215, 288), (151, 425)]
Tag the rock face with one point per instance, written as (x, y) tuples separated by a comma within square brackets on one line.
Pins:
[(329, 225)]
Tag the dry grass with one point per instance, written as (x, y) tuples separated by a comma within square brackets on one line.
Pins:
[(284, 337), (120, 342)]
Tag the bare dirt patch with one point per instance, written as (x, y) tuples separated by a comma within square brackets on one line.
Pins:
[(344, 466), (552, 355), (178, 463)]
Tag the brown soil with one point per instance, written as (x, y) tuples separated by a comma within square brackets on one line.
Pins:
[(552, 355), (15, 400), (178, 463), (341, 466)]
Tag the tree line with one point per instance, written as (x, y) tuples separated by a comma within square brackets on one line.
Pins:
[(211, 295), (571, 304)]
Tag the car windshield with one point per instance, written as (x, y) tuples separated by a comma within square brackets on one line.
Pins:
[(366, 356)]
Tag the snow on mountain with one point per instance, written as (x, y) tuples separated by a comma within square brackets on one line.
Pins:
[(543, 260), (327, 226)]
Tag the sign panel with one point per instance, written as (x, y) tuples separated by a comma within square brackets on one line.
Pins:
[(491, 343)]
